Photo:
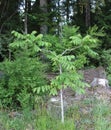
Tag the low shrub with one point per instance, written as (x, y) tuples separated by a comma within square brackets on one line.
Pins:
[(21, 76)]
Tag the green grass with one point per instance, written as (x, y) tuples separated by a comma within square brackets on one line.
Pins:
[(33, 121), (98, 118)]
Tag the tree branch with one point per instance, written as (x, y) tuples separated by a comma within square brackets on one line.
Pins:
[(69, 50), (7, 20), (3, 10)]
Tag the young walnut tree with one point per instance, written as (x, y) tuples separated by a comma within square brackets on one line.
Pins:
[(69, 60)]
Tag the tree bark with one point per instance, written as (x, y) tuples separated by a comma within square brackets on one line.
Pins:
[(87, 17), (25, 21), (67, 10), (29, 6), (43, 6)]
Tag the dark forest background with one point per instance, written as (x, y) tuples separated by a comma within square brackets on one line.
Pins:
[(47, 16)]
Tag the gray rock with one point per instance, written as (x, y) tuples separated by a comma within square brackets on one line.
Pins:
[(99, 82)]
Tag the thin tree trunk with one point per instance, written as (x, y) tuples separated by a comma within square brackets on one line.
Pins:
[(87, 18), (3, 9), (26, 22), (58, 18), (9, 55), (43, 5), (29, 6), (67, 10), (62, 101)]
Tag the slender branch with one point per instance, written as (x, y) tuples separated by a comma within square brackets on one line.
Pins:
[(69, 50), (64, 52), (7, 20), (3, 10), (8, 3)]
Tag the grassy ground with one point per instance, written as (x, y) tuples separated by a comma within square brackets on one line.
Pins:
[(87, 115)]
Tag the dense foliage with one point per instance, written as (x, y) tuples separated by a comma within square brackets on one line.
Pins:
[(68, 36), (46, 16), (70, 54), (21, 74)]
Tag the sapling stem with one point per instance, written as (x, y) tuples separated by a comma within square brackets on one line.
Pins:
[(61, 99)]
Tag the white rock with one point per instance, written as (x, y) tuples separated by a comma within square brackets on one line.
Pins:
[(54, 99), (100, 82)]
